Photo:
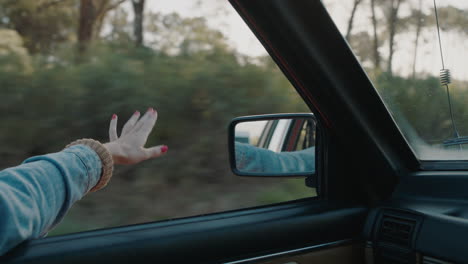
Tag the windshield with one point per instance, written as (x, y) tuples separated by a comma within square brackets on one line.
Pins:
[(409, 50)]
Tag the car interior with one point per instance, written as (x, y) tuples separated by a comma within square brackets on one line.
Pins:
[(416, 215), (377, 202)]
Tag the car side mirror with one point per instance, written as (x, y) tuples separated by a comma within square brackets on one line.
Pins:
[(276, 145)]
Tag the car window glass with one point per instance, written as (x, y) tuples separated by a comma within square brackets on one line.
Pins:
[(196, 62), (417, 62)]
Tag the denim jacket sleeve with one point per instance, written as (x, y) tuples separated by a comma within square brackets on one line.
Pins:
[(254, 159), (35, 196)]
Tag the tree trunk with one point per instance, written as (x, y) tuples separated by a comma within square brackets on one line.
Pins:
[(86, 24), (92, 14), (351, 19), (392, 26), (98, 24), (418, 34), (375, 45), (138, 8)]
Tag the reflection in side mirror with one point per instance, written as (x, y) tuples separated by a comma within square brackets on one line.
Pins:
[(273, 145)]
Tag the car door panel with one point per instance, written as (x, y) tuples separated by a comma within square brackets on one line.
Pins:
[(214, 238)]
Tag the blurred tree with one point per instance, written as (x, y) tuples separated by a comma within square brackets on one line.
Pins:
[(362, 44), (351, 19), (43, 24), (138, 10), (92, 14), (419, 16), (452, 18), (375, 43), (392, 24), (14, 57), (174, 34), (120, 29)]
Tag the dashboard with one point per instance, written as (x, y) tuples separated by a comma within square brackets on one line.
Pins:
[(426, 221)]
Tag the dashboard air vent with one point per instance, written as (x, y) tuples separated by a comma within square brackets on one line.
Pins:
[(397, 230)]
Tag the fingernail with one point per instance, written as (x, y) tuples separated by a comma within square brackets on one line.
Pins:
[(164, 149), (114, 116), (136, 112), (151, 110)]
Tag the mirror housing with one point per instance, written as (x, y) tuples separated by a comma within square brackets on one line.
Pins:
[(274, 145)]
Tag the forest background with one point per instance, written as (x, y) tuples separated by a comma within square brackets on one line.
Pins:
[(67, 65)]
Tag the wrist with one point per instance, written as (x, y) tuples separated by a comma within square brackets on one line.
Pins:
[(114, 150), (107, 163)]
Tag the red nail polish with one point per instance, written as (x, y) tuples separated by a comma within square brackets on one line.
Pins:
[(136, 112), (114, 116), (164, 149), (151, 110)]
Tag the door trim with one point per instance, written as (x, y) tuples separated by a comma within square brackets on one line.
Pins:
[(298, 251)]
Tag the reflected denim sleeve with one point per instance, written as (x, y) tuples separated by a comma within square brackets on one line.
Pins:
[(254, 159), (35, 196)]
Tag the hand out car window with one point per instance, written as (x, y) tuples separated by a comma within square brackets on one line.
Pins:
[(195, 61), (398, 43)]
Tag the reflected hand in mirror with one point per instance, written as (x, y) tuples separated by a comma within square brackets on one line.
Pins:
[(277, 147)]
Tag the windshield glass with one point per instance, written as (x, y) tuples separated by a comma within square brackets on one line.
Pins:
[(408, 48)]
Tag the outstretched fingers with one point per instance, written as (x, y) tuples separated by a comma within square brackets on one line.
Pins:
[(146, 123), (113, 128), (130, 123)]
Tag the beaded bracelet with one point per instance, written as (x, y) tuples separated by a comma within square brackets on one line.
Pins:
[(106, 160)]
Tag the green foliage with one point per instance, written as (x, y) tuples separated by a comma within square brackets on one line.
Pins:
[(196, 96), (188, 72), (285, 190), (423, 104), (203, 91), (13, 55), (43, 24)]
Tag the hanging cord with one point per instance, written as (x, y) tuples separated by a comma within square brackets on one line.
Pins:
[(445, 75)]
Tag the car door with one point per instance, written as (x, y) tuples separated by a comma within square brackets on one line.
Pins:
[(357, 166)]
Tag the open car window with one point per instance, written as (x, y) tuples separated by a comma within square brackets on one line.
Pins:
[(195, 62), (408, 53)]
